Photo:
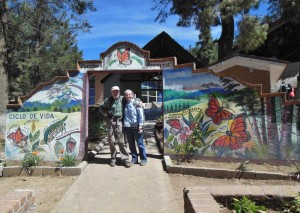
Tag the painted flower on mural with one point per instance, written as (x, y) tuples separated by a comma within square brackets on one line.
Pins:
[(184, 135), (184, 127), (192, 121)]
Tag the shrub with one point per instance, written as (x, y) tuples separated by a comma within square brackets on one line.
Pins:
[(294, 205), (245, 205), (67, 161), (30, 161)]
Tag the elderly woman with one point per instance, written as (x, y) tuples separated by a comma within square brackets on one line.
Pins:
[(133, 125)]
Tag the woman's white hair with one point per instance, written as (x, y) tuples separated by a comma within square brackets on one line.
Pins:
[(128, 91)]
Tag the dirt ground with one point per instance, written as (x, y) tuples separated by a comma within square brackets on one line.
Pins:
[(179, 182), (50, 189), (251, 166)]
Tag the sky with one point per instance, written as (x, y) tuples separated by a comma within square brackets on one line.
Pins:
[(132, 21), (129, 20)]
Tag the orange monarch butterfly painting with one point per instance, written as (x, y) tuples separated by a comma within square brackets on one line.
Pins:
[(124, 57), (18, 137), (235, 136), (216, 112)]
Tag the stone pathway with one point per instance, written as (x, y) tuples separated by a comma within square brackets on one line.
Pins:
[(101, 188)]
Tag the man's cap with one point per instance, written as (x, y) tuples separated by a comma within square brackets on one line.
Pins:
[(115, 88)]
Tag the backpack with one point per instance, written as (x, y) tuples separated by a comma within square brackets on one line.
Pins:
[(283, 88), (137, 102)]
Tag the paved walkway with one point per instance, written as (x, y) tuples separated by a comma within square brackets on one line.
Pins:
[(101, 188)]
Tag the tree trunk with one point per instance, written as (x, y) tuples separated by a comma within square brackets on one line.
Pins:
[(273, 138), (286, 131), (297, 148), (263, 122), (225, 41), (256, 129), (3, 73)]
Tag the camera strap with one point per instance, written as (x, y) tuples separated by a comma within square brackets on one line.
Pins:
[(111, 102)]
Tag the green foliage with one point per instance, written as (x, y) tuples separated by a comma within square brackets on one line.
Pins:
[(252, 33), (206, 14), (205, 51), (287, 10), (191, 146), (243, 166), (40, 40), (294, 205), (67, 161), (245, 205), (138, 60), (297, 167), (208, 52), (30, 161), (196, 140), (3, 163), (160, 119), (178, 105)]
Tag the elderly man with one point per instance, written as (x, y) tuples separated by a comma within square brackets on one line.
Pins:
[(111, 108)]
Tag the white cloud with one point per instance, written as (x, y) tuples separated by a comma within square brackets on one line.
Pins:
[(131, 21)]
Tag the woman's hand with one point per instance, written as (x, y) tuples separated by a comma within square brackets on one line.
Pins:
[(140, 129)]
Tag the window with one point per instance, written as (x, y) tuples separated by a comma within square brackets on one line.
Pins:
[(151, 91), (92, 91)]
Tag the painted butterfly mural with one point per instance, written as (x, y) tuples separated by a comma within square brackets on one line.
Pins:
[(235, 136), (176, 126), (124, 56), (216, 112), (18, 138)]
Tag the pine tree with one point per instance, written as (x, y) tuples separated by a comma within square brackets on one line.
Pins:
[(41, 40), (205, 14)]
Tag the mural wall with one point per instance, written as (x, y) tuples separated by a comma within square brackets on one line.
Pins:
[(210, 116), (49, 122)]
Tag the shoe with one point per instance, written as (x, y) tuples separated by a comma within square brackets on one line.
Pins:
[(112, 164), (127, 164), (132, 163), (143, 163)]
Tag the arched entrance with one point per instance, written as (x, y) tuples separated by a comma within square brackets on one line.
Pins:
[(53, 118)]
